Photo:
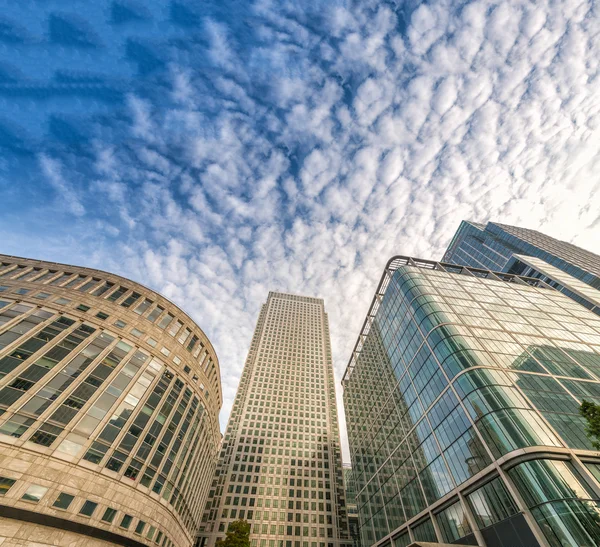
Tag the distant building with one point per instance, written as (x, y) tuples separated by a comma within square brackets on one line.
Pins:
[(462, 398), (498, 247), (280, 465), (109, 403), (351, 507)]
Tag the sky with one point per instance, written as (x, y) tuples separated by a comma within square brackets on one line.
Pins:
[(217, 150)]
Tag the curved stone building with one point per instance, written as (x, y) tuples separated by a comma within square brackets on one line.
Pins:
[(109, 403)]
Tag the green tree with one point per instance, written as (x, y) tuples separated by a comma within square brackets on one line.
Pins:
[(238, 535), (591, 412)]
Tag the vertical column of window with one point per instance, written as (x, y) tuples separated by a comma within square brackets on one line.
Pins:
[(121, 415), (186, 482), (174, 328), (70, 407), (143, 307), (184, 504), (82, 431), (45, 277), (162, 418), (176, 443), (103, 288), (198, 349), (184, 335), (143, 418), (200, 472), (130, 300), (27, 348), (193, 341), (165, 321), (180, 474), (36, 371), (10, 271), (87, 286), (185, 441), (61, 279), (21, 422), (28, 276), (155, 313), (115, 295), (76, 281), (121, 418)]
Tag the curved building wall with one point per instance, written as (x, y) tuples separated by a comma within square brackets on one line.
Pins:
[(462, 401), (109, 403)]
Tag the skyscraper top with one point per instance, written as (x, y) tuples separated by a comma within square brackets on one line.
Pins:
[(493, 245), (299, 298)]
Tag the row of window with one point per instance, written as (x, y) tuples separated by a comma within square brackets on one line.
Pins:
[(146, 308), (204, 360), (87, 508)]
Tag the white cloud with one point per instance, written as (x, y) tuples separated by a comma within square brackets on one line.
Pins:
[(67, 198), (331, 143)]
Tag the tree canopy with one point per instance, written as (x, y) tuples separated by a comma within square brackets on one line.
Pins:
[(591, 412), (238, 535)]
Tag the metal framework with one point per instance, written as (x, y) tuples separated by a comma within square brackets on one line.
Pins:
[(396, 261)]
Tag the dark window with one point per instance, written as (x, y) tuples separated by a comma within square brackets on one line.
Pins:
[(5, 485), (88, 508), (63, 501), (109, 514)]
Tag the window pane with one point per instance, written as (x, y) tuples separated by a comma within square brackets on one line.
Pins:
[(34, 493), (63, 501), (88, 508)]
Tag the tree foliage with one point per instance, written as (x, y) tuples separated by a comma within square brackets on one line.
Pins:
[(238, 535), (591, 412)]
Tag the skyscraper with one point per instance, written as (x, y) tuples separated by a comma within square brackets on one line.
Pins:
[(493, 247), (109, 403), (462, 398), (280, 464)]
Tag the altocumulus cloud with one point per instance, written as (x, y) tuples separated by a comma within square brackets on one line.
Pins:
[(295, 146)]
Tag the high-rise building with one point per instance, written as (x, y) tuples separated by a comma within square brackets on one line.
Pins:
[(280, 464), (503, 248), (462, 404), (109, 403)]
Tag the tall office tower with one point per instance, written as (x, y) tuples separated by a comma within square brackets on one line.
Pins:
[(109, 403), (280, 465), (503, 248), (462, 398)]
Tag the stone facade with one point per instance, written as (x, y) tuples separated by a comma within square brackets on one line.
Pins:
[(109, 402)]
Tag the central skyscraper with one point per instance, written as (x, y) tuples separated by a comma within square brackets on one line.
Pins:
[(280, 465)]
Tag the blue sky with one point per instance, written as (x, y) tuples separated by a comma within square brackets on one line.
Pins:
[(217, 150)]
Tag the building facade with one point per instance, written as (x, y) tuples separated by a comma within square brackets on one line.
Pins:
[(109, 403), (462, 399), (280, 464), (504, 248), (351, 507)]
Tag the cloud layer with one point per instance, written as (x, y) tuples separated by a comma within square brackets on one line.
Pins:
[(295, 146)]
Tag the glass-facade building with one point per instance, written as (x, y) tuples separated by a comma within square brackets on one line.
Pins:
[(462, 398), (109, 403), (280, 464), (497, 247)]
